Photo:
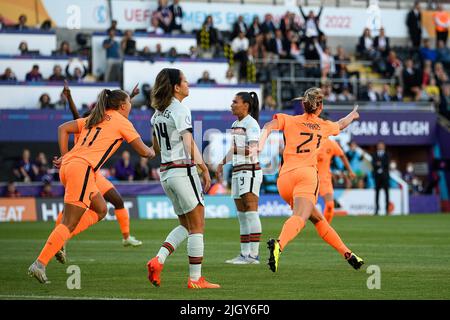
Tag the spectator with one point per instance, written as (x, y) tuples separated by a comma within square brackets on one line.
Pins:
[(113, 60), (8, 75), (193, 52), (64, 49), (288, 23), (11, 191), (398, 96), (443, 54), (427, 73), (207, 38), (240, 45), (230, 78), (34, 74), (47, 191), (386, 95), (164, 15), (254, 29), (142, 171), (128, 44), (345, 95), (238, 27), (355, 156), (46, 25), (393, 170), (146, 53), (268, 25), (176, 25), (365, 47), (411, 80), (123, 170), (311, 25), (23, 48), (381, 44), (155, 26), (294, 48), (327, 65), (205, 79), (440, 74), (158, 51), (269, 103), (444, 100), (414, 183), (77, 75), (61, 104), (57, 74), (172, 55), (428, 53), (328, 94), (22, 25), (114, 28), (371, 94), (413, 21), (281, 45), (25, 169), (259, 50), (441, 21), (380, 164), (393, 65), (45, 102), (42, 168)]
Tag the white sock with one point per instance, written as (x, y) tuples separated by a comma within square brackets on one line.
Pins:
[(254, 225), (173, 240), (245, 233), (195, 253)]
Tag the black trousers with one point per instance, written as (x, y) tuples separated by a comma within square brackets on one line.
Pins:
[(381, 184), (441, 36)]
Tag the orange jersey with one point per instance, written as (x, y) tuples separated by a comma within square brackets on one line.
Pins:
[(97, 144), (327, 151), (303, 136)]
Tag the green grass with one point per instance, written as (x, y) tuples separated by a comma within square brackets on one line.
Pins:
[(413, 253)]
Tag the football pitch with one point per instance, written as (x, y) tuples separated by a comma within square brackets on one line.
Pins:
[(412, 253)]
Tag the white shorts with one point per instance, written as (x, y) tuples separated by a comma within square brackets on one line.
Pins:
[(244, 183), (185, 193)]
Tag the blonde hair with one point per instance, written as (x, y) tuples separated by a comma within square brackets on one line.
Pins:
[(312, 99)]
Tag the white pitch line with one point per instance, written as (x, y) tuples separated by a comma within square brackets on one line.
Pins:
[(62, 297)]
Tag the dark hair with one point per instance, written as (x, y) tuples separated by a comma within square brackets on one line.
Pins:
[(107, 100), (163, 88), (253, 103)]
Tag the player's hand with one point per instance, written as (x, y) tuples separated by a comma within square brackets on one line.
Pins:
[(57, 162), (355, 112), (135, 91), (66, 90), (206, 181), (219, 172), (351, 175)]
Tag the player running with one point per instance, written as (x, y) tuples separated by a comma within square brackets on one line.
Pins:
[(247, 174), (329, 149), (101, 134), (172, 137), (298, 181), (106, 188)]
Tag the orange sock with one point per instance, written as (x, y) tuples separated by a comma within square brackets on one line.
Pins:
[(124, 221), (331, 237), (87, 219), (59, 218), (54, 242), (329, 211), (291, 228)]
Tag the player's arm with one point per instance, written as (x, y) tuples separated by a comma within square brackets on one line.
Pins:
[(155, 144), (266, 131), (142, 149), (191, 147), (344, 159), (135, 91), (72, 106), (345, 122), (64, 131)]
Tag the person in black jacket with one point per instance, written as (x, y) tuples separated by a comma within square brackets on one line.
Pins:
[(177, 17), (413, 22), (380, 164)]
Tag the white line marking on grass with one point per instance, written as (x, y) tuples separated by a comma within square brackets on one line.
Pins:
[(3, 296)]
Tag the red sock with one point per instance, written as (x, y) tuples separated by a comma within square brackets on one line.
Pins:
[(291, 228), (54, 242), (87, 219), (59, 218), (331, 237), (329, 211), (124, 221)]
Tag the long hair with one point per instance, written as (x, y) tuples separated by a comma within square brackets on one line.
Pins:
[(107, 100), (253, 103), (312, 100), (162, 92)]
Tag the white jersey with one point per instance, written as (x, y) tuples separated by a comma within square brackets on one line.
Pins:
[(243, 132), (168, 127)]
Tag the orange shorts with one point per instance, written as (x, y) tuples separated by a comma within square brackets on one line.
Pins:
[(78, 179), (301, 182), (103, 184), (326, 185)]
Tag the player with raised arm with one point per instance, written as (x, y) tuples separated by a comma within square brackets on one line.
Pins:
[(298, 182), (101, 134), (172, 136), (247, 174)]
